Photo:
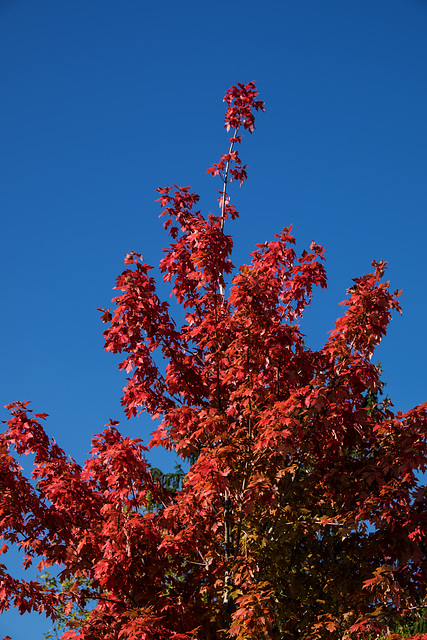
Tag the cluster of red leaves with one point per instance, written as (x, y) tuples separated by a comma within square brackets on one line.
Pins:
[(301, 515)]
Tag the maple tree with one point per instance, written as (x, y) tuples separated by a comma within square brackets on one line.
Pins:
[(302, 514)]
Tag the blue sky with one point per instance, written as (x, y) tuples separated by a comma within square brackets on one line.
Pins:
[(104, 101)]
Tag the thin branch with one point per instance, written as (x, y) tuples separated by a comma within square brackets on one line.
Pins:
[(224, 197)]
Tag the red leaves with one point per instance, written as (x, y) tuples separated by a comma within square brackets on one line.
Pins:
[(237, 171), (300, 475), (367, 316), (241, 100), (277, 283)]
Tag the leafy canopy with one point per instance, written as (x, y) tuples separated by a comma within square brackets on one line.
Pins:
[(302, 514)]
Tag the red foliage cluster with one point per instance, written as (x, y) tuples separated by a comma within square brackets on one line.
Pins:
[(302, 515)]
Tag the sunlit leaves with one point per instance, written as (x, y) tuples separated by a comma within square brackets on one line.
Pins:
[(302, 514)]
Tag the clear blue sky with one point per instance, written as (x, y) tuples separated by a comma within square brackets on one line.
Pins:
[(104, 101)]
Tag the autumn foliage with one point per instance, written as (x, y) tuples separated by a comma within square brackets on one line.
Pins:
[(302, 514)]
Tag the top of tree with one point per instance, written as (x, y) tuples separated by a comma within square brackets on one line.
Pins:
[(302, 515)]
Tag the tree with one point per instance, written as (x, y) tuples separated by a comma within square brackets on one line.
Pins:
[(302, 514)]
